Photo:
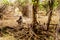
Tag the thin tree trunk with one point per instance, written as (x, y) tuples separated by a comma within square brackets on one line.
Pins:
[(35, 10), (51, 2)]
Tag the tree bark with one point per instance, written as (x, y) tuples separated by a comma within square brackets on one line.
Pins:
[(35, 11), (50, 2)]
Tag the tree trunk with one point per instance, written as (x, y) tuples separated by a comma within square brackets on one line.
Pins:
[(51, 2), (35, 10)]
